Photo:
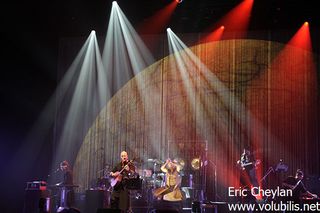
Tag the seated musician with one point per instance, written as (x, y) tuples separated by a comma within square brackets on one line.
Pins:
[(298, 188), (172, 182)]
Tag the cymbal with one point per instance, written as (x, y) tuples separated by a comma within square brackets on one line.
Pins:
[(101, 170), (179, 162), (196, 163), (107, 165), (157, 161), (138, 160), (58, 185)]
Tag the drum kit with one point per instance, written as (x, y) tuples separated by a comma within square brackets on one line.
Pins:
[(147, 178), (151, 173), (103, 181)]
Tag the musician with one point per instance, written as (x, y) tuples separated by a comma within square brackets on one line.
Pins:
[(121, 173), (248, 163), (67, 180), (173, 181), (298, 188), (67, 173)]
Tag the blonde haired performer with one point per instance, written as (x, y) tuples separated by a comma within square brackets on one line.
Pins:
[(171, 190)]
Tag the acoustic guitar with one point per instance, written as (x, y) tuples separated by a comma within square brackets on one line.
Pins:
[(118, 178)]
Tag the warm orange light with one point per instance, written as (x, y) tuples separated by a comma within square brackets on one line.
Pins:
[(214, 36), (302, 38), (237, 20)]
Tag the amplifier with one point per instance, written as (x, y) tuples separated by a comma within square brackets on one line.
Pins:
[(37, 201), (36, 185)]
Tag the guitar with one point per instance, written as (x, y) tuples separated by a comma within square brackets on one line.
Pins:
[(244, 165), (118, 178)]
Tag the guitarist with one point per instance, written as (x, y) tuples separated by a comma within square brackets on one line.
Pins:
[(121, 173), (248, 163)]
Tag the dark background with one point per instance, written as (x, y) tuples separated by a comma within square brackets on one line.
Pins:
[(31, 32)]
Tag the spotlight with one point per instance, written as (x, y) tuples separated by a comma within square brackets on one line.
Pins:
[(179, 1)]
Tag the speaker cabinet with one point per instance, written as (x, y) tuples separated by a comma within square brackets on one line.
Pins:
[(71, 210), (218, 207), (36, 201), (96, 199), (165, 211), (108, 211)]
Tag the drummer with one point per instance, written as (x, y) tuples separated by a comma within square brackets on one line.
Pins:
[(172, 181)]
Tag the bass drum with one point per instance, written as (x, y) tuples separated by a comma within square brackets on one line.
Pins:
[(159, 180), (147, 183)]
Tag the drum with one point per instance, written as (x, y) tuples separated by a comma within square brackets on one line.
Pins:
[(103, 183), (144, 173), (159, 180), (148, 183)]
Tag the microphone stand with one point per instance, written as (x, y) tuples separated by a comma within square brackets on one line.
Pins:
[(215, 180), (265, 176), (205, 164), (268, 172)]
